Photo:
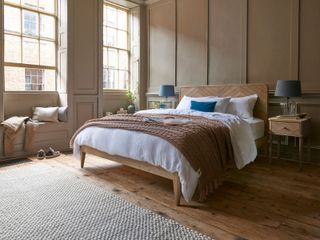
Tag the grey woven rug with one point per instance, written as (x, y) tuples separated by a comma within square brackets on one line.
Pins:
[(41, 202)]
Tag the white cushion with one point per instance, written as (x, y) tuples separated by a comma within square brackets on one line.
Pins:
[(63, 114), (242, 106), (221, 106), (45, 114)]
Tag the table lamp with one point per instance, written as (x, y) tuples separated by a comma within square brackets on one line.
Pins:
[(288, 88), (166, 91)]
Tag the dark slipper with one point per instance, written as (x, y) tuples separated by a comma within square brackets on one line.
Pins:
[(41, 154), (52, 153)]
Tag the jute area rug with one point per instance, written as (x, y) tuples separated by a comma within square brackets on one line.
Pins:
[(38, 201)]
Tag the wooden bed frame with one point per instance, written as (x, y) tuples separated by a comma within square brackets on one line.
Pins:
[(238, 90)]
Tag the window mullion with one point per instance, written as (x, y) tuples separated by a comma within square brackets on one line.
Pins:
[(118, 80), (39, 34), (21, 32)]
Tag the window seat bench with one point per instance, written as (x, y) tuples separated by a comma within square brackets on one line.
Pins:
[(47, 134)]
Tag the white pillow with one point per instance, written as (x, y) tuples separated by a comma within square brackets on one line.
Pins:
[(221, 106), (242, 106), (63, 114), (45, 114)]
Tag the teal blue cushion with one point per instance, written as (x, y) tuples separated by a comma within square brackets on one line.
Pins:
[(203, 106)]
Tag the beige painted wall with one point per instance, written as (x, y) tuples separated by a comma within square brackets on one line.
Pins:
[(248, 41)]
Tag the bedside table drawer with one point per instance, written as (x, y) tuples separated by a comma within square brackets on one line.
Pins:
[(285, 128)]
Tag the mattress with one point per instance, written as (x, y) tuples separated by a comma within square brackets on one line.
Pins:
[(257, 127)]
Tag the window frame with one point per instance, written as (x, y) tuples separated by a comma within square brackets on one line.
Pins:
[(106, 47), (21, 35)]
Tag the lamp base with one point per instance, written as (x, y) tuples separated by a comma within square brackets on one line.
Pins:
[(289, 108)]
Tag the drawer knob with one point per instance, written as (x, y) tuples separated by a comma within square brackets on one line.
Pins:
[(285, 128)]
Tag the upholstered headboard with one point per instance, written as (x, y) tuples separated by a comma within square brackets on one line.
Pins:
[(234, 90)]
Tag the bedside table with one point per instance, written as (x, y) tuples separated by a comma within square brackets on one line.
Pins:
[(291, 127)]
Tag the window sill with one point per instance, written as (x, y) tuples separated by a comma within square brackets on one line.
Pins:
[(114, 92), (31, 92)]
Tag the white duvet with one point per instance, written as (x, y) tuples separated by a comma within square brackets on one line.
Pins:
[(159, 152)]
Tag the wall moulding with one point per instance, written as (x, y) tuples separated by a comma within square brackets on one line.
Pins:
[(161, 34), (227, 50), (273, 32)]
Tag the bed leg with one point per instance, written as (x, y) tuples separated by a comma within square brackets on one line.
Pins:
[(176, 189), (82, 158)]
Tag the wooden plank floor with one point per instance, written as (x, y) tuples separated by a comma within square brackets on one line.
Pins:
[(262, 201)]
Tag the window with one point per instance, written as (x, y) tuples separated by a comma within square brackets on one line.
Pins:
[(30, 45), (115, 47)]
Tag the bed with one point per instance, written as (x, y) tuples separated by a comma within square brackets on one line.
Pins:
[(93, 140)]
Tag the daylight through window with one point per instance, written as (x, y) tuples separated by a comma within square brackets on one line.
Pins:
[(115, 47), (30, 45)]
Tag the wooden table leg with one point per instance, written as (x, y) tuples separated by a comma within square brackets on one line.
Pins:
[(278, 147), (270, 147), (300, 152), (309, 148)]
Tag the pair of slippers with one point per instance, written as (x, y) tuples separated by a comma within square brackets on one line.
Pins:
[(50, 154)]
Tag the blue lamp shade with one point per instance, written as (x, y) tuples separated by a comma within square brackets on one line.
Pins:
[(288, 88), (166, 91)]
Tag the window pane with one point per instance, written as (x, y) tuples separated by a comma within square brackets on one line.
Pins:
[(122, 20), (123, 60), (112, 58), (47, 53), (15, 79), (12, 22), (111, 78), (12, 1), (30, 23), (122, 40), (105, 57), (12, 49), (105, 36), (30, 51), (30, 3), (111, 17), (47, 26), (47, 6), (123, 79), (104, 15), (34, 79), (49, 79), (111, 37)]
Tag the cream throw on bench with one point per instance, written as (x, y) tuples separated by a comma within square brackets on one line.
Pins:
[(11, 128)]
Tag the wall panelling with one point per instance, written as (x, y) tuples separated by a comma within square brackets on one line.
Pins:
[(162, 35), (310, 44), (192, 42), (85, 36), (272, 40), (227, 49), (85, 107), (253, 41)]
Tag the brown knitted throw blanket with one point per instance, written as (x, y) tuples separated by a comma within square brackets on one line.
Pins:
[(205, 143)]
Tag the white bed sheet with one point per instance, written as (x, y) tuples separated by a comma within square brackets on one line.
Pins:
[(159, 152), (256, 126)]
